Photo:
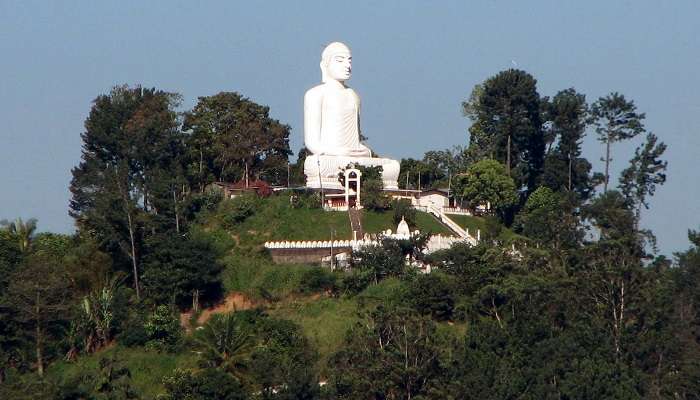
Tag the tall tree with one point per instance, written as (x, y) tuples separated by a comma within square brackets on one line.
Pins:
[(615, 119), (686, 311), (506, 118), (568, 112), (646, 171), (131, 147), (40, 303), (181, 270), (232, 137)]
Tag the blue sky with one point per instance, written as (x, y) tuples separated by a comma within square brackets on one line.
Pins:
[(413, 64)]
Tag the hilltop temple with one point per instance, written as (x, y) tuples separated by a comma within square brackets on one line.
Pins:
[(332, 126)]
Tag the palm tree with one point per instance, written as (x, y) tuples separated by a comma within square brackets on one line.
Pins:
[(22, 231), (225, 343)]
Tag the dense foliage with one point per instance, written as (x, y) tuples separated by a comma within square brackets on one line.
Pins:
[(166, 290)]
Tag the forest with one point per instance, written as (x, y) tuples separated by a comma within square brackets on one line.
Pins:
[(165, 290)]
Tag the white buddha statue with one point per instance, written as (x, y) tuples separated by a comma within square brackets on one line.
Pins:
[(332, 126)]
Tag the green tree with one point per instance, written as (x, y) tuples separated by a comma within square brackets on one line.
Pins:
[(488, 182), (282, 363), (506, 118), (123, 188), (613, 266), (615, 119), (372, 195), (225, 342), (646, 171), (41, 304), (567, 116), (394, 355), (686, 312), (231, 137), (162, 328), (181, 270), (432, 294), (379, 262), (549, 219)]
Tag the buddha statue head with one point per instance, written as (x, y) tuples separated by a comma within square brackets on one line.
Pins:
[(336, 63)]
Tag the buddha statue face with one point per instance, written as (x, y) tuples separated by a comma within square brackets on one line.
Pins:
[(336, 62)]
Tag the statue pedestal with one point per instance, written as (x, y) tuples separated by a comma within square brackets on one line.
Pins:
[(324, 170)]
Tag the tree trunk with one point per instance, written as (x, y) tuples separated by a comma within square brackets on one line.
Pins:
[(133, 255), (201, 178), (570, 168), (508, 156), (177, 216), (39, 339), (195, 301), (607, 163)]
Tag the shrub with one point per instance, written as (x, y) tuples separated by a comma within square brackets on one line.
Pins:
[(318, 279), (202, 385), (305, 199), (355, 282), (380, 262), (238, 210), (133, 332), (163, 329), (207, 201)]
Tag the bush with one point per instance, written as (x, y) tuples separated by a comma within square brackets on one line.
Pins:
[(318, 279), (305, 199), (355, 282), (163, 329), (492, 229), (238, 210), (203, 202), (133, 331), (202, 385)]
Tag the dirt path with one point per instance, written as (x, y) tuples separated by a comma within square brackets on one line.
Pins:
[(232, 302)]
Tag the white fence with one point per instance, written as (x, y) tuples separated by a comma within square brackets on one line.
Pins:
[(456, 211), (435, 243)]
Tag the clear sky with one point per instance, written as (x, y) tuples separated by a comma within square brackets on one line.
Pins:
[(413, 64)]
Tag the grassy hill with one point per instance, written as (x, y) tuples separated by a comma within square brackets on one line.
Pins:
[(274, 288), (375, 222), (276, 219)]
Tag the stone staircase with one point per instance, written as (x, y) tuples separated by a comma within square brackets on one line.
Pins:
[(442, 217), (356, 223)]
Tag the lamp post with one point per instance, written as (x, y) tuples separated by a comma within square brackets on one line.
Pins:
[(332, 232)]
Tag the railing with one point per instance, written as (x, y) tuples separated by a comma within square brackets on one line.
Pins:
[(435, 243), (456, 211), (439, 214)]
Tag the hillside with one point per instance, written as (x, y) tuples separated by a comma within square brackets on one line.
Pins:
[(274, 218)]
